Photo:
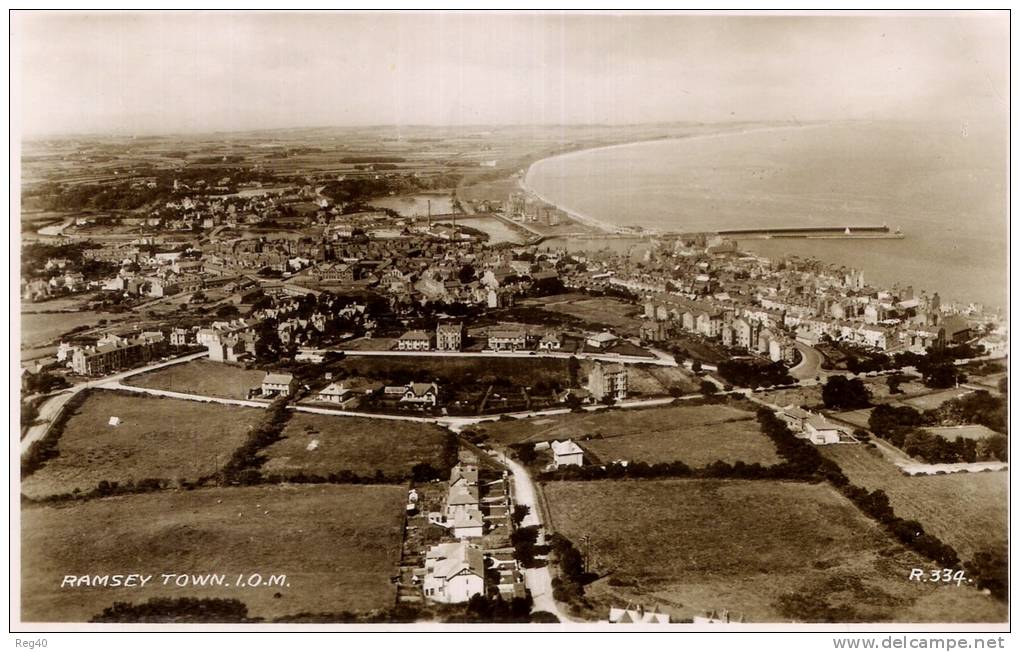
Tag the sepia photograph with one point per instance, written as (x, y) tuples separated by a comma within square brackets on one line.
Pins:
[(548, 321)]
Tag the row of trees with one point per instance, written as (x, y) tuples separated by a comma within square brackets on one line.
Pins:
[(753, 373), (903, 427)]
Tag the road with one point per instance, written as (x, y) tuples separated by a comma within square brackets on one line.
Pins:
[(657, 358), (810, 364), (52, 408), (538, 580)]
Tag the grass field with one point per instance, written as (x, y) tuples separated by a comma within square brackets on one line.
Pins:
[(157, 438), (338, 545), (693, 434), (696, 545), (612, 312), (203, 377), (461, 371), (358, 445), (966, 510)]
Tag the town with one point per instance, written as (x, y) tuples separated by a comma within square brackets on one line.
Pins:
[(433, 395)]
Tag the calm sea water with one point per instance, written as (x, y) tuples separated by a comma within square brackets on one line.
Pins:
[(943, 185)]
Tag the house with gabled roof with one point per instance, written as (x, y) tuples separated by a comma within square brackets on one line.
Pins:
[(454, 572)]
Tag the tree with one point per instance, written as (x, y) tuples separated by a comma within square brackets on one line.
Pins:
[(708, 388), (840, 393), (696, 366), (227, 311), (520, 513), (893, 383), (990, 570), (198, 297), (941, 375)]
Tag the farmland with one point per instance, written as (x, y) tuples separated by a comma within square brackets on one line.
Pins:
[(693, 434), (338, 545), (320, 445), (156, 438), (966, 510), (203, 377), (696, 545)]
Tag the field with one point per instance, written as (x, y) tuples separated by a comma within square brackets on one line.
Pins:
[(157, 438), (697, 545), (461, 371), (933, 400), (966, 510), (38, 328), (203, 377), (338, 546), (358, 445), (619, 315), (693, 434)]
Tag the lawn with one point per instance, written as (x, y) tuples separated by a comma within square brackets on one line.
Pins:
[(320, 445), (204, 377), (766, 551), (693, 434), (338, 546), (966, 510), (157, 438)]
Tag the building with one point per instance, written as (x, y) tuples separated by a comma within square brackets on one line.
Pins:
[(637, 615), (454, 572), (601, 341), (567, 453), (508, 339), (608, 380), (278, 384), (821, 431), (450, 337), (423, 394), (414, 341), (335, 393), (121, 353), (551, 341)]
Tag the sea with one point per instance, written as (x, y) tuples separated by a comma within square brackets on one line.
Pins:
[(944, 185)]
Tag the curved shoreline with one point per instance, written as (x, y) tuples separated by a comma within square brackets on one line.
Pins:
[(617, 229)]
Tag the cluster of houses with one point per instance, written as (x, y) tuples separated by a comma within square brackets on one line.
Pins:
[(462, 515)]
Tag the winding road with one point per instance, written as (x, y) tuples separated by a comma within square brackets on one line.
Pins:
[(538, 580)]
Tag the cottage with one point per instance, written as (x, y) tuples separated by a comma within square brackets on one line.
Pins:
[(335, 393), (821, 431), (567, 453), (425, 394), (551, 341), (278, 384), (601, 341)]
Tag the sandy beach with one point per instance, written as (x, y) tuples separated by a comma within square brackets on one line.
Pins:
[(608, 227)]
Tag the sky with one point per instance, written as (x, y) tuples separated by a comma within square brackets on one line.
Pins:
[(160, 72)]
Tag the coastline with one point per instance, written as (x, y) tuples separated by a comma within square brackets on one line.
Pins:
[(615, 229)]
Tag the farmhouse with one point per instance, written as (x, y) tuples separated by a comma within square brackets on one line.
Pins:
[(278, 384), (454, 572), (420, 394), (567, 453)]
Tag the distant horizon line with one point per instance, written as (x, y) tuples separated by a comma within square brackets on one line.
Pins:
[(461, 127)]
